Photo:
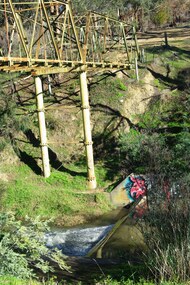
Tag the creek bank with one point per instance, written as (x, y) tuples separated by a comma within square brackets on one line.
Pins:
[(87, 270)]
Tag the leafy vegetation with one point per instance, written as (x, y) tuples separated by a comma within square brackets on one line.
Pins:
[(105, 281), (156, 143), (10, 280), (165, 128), (144, 13), (110, 281), (168, 238), (23, 249)]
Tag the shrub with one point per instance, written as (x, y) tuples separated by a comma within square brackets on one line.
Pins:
[(144, 153), (167, 234), (162, 15), (23, 249), (11, 121)]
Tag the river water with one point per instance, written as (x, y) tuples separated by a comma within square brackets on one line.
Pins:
[(78, 241)]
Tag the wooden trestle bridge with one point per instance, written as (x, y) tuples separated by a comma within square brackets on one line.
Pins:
[(44, 37)]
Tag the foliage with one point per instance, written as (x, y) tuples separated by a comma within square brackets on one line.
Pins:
[(22, 247), (11, 280), (117, 90), (105, 281), (162, 15), (124, 281), (164, 156), (120, 85), (143, 12), (145, 153), (101, 6), (167, 235), (160, 142)]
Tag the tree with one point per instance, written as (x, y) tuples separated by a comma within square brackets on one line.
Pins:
[(109, 8)]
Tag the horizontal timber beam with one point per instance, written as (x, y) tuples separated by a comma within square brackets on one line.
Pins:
[(54, 70), (39, 68)]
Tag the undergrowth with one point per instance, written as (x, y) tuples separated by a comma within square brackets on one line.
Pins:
[(23, 251), (7, 280)]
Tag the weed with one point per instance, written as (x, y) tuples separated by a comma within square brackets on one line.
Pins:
[(120, 85)]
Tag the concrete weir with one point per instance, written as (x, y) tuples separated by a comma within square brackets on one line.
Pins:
[(97, 249)]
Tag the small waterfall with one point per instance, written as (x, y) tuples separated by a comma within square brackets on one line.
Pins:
[(76, 242)]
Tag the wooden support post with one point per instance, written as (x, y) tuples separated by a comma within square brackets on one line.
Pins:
[(166, 39), (49, 85), (136, 42), (87, 131), (125, 42), (136, 69), (142, 55), (42, 126)]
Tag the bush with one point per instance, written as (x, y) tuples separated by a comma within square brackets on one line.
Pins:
[(167, 234), (23, 249), (162, 15), (145, 153)]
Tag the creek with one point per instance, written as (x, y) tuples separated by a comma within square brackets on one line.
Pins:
[(77, 241), (124, 247)]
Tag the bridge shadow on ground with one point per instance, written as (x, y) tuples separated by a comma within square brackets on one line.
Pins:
[(30, 161), (170, 82), (170, 54), (53, 158), (180, 51), (105, 143), (180, 82), (26, 158)]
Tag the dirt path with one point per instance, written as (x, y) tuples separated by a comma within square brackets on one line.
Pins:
[(158, 37)]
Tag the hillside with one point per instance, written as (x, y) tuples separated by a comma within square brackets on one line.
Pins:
[(121, 108)]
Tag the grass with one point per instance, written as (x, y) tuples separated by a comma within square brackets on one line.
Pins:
[(117, 90), (110, 281), (177, 56), (61, 196), (8, 280)]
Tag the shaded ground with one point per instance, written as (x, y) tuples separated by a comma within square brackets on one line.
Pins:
[(157, 37), (87, 270)]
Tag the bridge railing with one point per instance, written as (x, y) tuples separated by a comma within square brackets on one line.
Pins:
[(105, 39), (46, 33)]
